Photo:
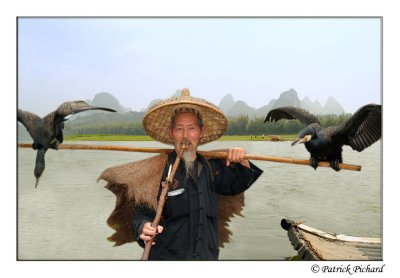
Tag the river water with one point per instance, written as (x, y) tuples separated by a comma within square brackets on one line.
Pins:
[(65, 217)]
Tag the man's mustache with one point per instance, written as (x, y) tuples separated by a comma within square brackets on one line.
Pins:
[(186, 142)]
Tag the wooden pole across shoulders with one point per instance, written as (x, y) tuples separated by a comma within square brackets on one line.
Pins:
[(209, 154)]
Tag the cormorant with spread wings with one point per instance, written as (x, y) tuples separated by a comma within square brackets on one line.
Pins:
[(47, 132), (360, 131)]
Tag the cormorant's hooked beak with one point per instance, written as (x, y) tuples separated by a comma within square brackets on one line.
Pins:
[(301, 140)]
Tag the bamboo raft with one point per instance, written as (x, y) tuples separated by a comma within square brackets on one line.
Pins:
[(313, 244)]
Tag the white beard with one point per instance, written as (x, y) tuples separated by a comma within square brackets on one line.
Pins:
[(189, 157)]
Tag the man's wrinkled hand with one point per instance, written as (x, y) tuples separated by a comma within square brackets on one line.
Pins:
[(236, 155), (149, 232)]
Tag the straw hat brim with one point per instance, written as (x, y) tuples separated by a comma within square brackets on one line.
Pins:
[(157, 120)]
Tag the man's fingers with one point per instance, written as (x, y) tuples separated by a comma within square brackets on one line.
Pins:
[(235, 155), (149, 231), (229, 157), (145, 237)]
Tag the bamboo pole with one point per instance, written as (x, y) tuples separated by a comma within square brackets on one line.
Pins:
[(210, 154)]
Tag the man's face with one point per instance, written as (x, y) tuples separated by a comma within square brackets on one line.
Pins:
[(186, 127)]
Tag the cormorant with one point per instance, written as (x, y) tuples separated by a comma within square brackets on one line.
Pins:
[(47, 132), (360, 131)]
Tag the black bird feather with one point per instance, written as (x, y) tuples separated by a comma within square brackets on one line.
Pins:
[(47, 132), (360, 131)]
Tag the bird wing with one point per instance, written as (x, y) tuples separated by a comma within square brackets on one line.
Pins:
[(30, 121), (73, 107), (53, 119), (362, 129), (291, 112)]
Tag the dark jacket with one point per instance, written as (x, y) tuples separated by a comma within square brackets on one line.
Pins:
[(189, 216)]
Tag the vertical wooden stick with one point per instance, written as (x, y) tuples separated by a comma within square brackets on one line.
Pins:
[(161, 202)]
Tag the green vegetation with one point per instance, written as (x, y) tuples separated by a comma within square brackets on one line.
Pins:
[(283, 137), (106, 123), (107, 137), (122, 137), (243, 125), (128, 127)]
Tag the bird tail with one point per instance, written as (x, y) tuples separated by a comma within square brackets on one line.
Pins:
[(40, 165)]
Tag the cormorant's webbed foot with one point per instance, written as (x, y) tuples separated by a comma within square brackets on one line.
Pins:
[(314, 162), (335, 164)]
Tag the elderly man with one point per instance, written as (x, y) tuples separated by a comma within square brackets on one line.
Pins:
[(189, 226)]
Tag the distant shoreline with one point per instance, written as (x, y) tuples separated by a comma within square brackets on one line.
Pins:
[(111, 137)]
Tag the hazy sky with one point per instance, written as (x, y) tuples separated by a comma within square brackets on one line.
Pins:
[(254, 59)]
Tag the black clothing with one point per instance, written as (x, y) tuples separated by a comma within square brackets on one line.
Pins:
[(189, 216)]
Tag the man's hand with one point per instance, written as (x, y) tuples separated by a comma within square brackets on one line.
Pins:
[(237, 155), (149, 232)]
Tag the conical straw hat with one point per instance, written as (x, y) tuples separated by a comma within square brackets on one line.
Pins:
[(157, 119)]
